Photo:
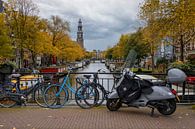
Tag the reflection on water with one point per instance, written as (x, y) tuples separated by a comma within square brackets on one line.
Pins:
[(94, 67), (105, 79)]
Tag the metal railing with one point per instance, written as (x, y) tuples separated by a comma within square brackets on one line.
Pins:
[(186, 91)]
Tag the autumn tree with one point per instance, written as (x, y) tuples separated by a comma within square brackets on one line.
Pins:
[(33, 36), (6, 48), (120, 49), (39, 40), (136, 41), (126, 43), (109, 53), (88, 55), (69, 50), (173, 19), (19, 15), (58, 29)]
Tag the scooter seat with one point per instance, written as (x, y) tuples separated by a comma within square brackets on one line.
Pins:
[(87, 76), (159, 83), (148, 90), (148, 83)]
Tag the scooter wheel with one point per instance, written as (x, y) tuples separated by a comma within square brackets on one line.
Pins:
[(168, 108), (113, 104)]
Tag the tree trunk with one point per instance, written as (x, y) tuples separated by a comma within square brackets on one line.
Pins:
[(152, 62), (181, 48), (21, 64), (33, 59), (152, 55)]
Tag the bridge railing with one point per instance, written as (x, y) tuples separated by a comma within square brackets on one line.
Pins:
[(186, 91)]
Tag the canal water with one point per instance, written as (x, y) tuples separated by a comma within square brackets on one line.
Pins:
[(94, 67), (105, 79)]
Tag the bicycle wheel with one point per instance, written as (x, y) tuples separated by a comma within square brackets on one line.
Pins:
[(86, 97), (52, 100), (7, 100), (102, 94), (39, 93)]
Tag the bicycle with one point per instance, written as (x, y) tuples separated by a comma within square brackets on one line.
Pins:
[(103, 93), (56, 95), (11, 94)]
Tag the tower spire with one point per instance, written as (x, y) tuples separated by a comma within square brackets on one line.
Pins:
[(1, 6), (80, 39)]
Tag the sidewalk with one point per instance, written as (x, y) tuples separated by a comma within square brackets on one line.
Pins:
[(73, 117)]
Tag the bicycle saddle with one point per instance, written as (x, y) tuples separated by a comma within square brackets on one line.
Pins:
[(87, 76)]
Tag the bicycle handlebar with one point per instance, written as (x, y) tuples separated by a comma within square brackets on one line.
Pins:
[(101, 70)]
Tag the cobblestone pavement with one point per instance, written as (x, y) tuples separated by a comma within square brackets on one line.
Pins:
[(73, 117)]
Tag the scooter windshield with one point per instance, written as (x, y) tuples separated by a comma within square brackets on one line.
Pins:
[(130, 60)]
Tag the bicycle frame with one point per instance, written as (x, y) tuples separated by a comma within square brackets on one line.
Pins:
[(66, 84), (20, 92), (27, 91)]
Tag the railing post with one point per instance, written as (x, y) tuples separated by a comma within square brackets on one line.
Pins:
[(183, 89)]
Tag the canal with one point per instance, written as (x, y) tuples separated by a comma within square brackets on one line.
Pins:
[(94, 67), (105, 78)]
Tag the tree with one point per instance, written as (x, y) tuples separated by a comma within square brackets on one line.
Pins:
[(19, 14), (6, 49), (136, 41), (152, 32), (109, 53), (127, 42), (174, 19), (120, 49), (69, 50), (162, 64), (151, 37), (88, 55), (39, 40), (58, 29)]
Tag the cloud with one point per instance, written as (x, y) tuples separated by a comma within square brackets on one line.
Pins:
[(103, 20)]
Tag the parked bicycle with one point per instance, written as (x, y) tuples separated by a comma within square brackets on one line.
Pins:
[(57, 95), (103, 93), (11, 93)]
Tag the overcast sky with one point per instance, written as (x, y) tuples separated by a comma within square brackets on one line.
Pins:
[(103, 20)]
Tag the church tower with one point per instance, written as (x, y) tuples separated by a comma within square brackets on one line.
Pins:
[(80, 39)]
